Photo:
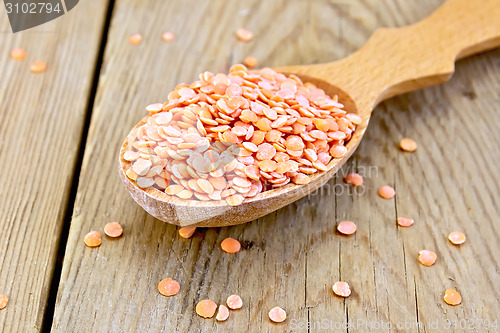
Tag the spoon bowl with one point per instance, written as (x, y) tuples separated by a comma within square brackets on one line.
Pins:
[(392, 62), (218, 213)]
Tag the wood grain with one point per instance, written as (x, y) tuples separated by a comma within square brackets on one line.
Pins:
[(41, 123), (399, 60), (291, 258)]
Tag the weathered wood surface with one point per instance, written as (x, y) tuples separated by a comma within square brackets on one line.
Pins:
[(41, 123), (292, 257)]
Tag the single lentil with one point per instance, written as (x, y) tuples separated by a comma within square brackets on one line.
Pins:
[(244, 35), (222, 314), (113, 229), (251, 62), (187, 232), (169, 287), (405, 222), (354, 179), (456, 237), (277, 315), (386, 192), (408, 145), (234, 302), (230, 245), (341, 289), (167, 36), (38, 67), (347, 227), (3, 301), (18, 54), (426, 257), (206, 308), (92, 239), (135, 39), (452, 297)]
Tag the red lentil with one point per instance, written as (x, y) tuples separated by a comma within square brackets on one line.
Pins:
[(244, 35), (354, 179), (234, 302), (277, 315), (222, 314), (157, 107), (168, 36), (187, 232), (386, 192), (18, 54), (408, 145), (230, 245), (341, 289), (347, 227), (206, 308), (452, 297), (234, 200), (426, 257), (169, 287), (456, 237), (251, 62), (113, 229), (338, 151), (405, 222), (260, 126), (92, 239), (3, 301), (135, 39), (38, 67)]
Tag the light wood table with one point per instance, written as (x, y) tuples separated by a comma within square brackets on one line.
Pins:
[(60, 133)]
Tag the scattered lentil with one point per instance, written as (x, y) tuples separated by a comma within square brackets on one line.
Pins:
[(92, 239), (408, 145), (426, 257), (113, 229), (277, 315), (347, 227), (386, 192), (251, 62), (452, 297), (244, 35), (456, 237), (405, 222), (38, 67), (341, 289), (354, 179), (3, 301), (230, 137), (135, 39), (234, 302), (187, 232), (167, 36), (230, 245), (222, 314), (18, 54), (206, 308), (169, 287)]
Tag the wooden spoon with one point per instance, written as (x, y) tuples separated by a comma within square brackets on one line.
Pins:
[(392, 62)]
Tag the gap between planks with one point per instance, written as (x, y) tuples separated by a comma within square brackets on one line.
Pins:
[(63, 237)]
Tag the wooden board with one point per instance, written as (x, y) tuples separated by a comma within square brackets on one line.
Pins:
[(292, 257), (41, 122)]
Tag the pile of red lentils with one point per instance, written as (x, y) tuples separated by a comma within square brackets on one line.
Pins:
[(230, 137)]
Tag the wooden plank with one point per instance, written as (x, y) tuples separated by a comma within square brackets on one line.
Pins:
[(292, 257), (41, 123)]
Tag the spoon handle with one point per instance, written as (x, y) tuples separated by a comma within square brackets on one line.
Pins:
[(398, 60)]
